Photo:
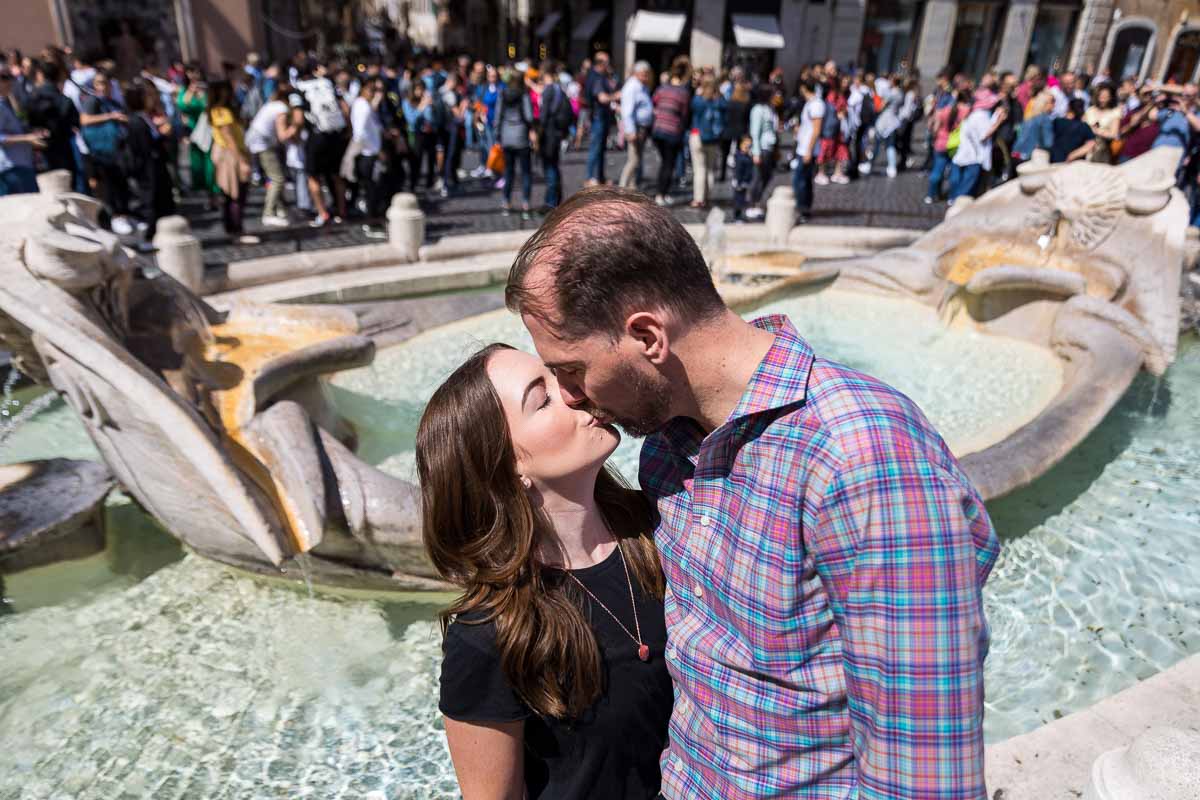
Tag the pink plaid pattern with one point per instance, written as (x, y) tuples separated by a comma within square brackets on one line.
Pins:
[(825, 557)]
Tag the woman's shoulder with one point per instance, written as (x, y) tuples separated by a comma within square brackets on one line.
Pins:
[(474, 687)]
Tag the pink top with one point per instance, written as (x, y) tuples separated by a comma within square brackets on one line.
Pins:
[(943, 120)]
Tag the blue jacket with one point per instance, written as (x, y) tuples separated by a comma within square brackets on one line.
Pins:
[(1035, 133), (708, 116)]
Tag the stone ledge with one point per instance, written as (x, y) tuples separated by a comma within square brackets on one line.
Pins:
[(1054, 762)]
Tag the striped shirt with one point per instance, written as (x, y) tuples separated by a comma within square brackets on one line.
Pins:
[(672, 107), (825, 557)]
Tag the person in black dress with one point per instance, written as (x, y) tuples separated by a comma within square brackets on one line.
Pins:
[(553, 681), (147, 156)]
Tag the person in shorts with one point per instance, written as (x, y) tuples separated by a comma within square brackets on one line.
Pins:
[(326, 113)]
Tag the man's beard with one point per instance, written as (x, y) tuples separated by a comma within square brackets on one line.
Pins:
[(652, 403)]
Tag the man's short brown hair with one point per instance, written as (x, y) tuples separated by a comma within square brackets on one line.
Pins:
[(604, 252)]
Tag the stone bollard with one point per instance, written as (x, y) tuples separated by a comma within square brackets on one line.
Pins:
[(1161, 764), (406, 225), (781, 215), (179, 252), (54, 182)]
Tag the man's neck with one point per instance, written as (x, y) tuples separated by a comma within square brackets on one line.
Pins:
[(718, 361)]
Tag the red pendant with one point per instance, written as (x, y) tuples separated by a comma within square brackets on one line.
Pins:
[(644, 652)]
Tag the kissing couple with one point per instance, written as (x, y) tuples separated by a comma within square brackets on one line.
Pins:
[(788, 607)]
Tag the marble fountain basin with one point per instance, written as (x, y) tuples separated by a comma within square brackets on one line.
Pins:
[(151, 671)]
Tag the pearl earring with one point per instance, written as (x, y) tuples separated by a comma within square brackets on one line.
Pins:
[(528, 484)]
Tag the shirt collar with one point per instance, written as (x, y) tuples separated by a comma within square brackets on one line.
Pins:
[(781, 379)]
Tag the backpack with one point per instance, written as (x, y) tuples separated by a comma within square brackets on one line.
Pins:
[(714, 118)]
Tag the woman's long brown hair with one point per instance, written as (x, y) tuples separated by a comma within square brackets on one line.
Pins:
[(482, 533)]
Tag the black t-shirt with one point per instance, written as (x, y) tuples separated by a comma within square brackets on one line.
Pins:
[(612, 751), (1069, 136)]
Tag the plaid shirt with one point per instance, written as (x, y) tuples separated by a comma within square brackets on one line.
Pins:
[(825, 557)]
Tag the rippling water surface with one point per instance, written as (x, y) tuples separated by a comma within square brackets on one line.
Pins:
[(144, 673)]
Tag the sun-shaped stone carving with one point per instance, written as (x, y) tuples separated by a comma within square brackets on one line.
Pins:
[(1088, 196)]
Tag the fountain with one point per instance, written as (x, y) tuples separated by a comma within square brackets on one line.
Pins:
[(217, 423), (146, 671)]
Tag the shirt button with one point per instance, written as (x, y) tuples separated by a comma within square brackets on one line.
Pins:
[(698, 591), (704, 520)]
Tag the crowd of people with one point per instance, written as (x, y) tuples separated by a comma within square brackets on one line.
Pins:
[(329, 141)]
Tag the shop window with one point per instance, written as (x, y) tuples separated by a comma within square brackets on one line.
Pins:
[(890, 34), (1053, 32), (976, 44)]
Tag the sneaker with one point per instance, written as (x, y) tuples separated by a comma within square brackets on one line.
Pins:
[(247, 238), (660, 200), (443, 192), (478, 172), (142, 227), (318, 222), (487, 173), (336, 220), (274, 222), (754, 213), (526, 214), (121, 226), (373, 233), (891, 172), (461, 173), (928, 201), (500, 183), (864, 168), (820, 179), (841, 180)]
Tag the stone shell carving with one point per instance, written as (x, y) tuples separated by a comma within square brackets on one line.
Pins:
[(1088, 196)]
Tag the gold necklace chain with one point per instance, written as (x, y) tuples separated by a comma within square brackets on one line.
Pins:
[(643, 650)]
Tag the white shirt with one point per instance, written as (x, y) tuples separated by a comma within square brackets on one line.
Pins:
[(974, 146), (366, 125), (261, 136), (636, 106), (810, 119)]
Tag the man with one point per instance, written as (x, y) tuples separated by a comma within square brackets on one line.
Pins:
[(17, 173), (809, 132), (366, 142), (637, 115), (49, 109), (555, 123), (326, 113), (1003, 167), (824, 552), (599, 91), (1064, 93)]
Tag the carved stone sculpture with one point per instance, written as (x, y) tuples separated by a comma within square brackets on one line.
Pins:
[(216, 423), (1082, 258)]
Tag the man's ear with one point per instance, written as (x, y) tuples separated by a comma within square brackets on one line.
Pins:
[(649, 330)]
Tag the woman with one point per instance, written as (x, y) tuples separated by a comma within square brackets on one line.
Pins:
[(1037, 131), (1104, 118), (191, 103), (737, 122), (148, 156), (103, 126), (672, 103), (230, 158), (553, 683), (888, 124), (514, 115), (945, 120), (764, 127), (708, 126), (974, 154), (418, 113)]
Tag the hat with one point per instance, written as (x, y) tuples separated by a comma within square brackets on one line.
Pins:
[(985, 99)]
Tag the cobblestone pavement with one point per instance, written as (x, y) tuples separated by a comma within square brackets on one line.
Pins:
[(874, 200)]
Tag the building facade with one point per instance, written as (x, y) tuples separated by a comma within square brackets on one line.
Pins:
[(1156, 39)]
